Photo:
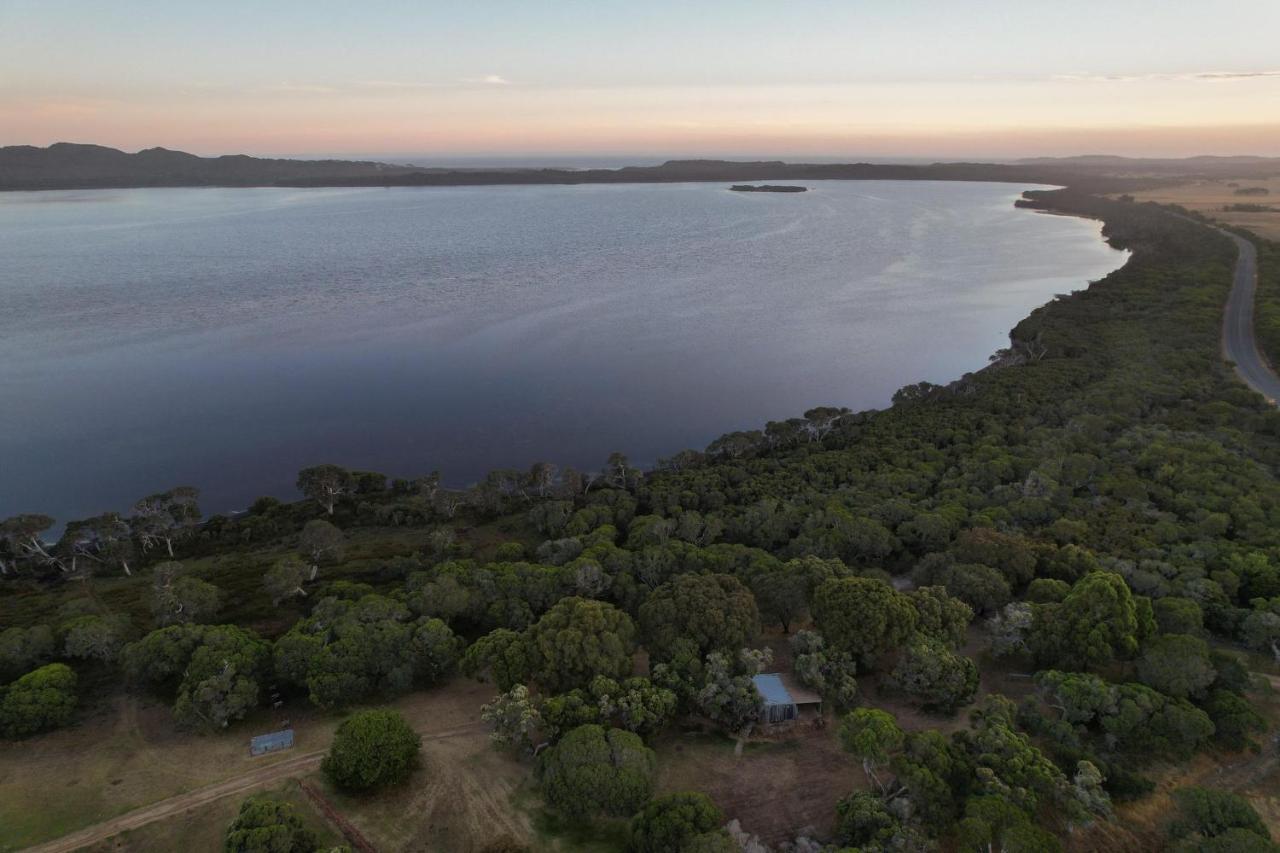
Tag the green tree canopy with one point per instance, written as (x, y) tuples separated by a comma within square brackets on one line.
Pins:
[(673, 823), (100, 638), (872, 736), (935, 675), (579, 639), (714, 612), (266, 825), (502, 655), (597, 771), (1212, 813), (221, 680), (1096, 623), (23, 649), (865, 617), (372, 749), (1177, 665), (42, 699)]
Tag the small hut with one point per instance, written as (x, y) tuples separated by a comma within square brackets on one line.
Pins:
[(273, 742), (782, 700)]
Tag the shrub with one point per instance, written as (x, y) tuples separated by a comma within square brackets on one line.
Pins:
[(265, 825), (597, 771), (372, 749), (672, 822), (40, 700)]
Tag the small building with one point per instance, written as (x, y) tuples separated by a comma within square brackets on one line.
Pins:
[(782, 700), (272, 742)]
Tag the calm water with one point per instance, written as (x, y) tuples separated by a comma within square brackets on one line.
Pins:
[(226, 338)]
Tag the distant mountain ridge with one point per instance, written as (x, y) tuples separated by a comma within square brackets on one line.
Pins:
[(76, 166), (66, 165)]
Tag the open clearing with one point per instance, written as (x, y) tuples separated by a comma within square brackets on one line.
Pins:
[(1210, 196), (129, 755)]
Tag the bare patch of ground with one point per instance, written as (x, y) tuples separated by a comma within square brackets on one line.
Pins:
[(775, 789)]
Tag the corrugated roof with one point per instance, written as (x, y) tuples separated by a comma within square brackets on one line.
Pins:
[(769, 685), (271, 742)]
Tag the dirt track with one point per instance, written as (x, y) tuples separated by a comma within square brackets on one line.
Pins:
[(172, 806)]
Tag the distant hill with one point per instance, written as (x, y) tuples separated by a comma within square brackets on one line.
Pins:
[(69, 165), (66, 165)]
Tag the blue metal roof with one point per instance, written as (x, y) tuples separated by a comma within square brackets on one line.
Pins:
[(769, 685), (271, 742)]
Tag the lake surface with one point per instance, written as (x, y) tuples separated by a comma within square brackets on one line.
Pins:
[(227, 338)]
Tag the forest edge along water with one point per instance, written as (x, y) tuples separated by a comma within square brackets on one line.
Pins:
[(228, 337)]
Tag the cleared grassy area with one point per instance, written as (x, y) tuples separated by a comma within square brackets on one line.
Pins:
[(1211, 196), (774, 789), (128, 754), (204, 828)]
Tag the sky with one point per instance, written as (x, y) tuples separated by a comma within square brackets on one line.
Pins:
[(492, 78)]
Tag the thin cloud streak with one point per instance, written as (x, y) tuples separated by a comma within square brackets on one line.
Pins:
[(1208, 76)]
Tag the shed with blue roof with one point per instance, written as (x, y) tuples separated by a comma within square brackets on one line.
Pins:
[(781, 699)]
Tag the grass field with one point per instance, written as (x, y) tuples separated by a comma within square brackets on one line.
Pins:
[(127, 754), (204, 828), (1209, 197)]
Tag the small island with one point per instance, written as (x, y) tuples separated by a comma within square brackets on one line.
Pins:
[(767, 188)]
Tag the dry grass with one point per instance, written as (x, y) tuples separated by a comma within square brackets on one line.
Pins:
[(129, 754), (775, 789), (464, 796), (1209, 197), (204, 828)]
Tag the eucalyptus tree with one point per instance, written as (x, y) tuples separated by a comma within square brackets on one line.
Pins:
[(166, 517), (179, 597), (104, 540), (326, 484), (320, 542), (22, 541)]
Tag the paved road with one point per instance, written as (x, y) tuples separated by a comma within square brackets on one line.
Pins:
[(266, 775), (1238, 342)]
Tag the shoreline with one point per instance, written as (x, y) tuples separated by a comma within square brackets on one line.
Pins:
[(239, 507)]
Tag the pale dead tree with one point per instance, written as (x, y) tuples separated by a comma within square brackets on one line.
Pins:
[(542, 478), (104, 539), (822, 419), (326, 484), (619, 473), (166, 517), (589, 579), (447, 502), (23, 538), (653, 566), (441, 540), (428, 486), (320, 542), (179, 597), (572, 482), (286, 579)]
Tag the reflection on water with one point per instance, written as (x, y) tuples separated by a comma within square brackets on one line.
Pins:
[(226, 338)]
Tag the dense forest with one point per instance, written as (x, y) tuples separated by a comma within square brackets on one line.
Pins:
[(1098, 510)]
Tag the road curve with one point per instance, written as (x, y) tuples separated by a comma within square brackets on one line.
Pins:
[(173, 806), (1239, 344)]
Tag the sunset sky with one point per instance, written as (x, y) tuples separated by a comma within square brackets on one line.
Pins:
[(910, 78)]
